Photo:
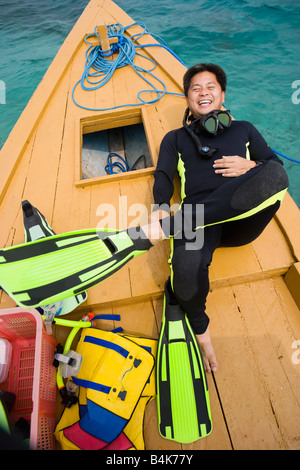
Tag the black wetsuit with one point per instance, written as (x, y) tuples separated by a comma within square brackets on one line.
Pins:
[(222, 198)]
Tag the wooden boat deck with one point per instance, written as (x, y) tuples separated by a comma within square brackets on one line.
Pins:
[(254, 299)]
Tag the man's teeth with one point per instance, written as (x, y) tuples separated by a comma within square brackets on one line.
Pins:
[(205, 102)]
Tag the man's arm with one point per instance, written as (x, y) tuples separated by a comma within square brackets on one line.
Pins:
[(165, 171)]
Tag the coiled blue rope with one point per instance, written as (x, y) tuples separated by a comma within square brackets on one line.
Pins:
[(122, 165), (99, 67)]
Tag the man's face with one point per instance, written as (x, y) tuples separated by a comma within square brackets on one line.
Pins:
[(205, 94)]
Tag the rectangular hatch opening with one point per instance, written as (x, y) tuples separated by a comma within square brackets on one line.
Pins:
[(114, 146)]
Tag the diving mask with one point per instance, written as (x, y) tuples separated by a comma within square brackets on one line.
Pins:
[(213, 123)]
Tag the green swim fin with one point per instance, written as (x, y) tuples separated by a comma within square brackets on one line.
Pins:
[(36, 227), (55, 268), (182, 394)]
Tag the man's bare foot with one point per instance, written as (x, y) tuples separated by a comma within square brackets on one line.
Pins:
[(207, 351)]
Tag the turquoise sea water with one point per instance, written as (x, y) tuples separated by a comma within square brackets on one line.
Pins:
[(255, 41)]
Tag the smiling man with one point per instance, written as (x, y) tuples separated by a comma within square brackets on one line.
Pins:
[(204, 92), (226, 168)]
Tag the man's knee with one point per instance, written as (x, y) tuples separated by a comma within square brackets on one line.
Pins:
[(268, 181)]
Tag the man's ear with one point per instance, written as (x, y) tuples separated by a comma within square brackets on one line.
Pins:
[(223, 96)]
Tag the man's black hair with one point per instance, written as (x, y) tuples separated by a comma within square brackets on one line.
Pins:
[(218, 71)]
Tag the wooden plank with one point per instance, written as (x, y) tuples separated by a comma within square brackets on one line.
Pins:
[(105, 213), (288, 217), (94, 154), (152, 138), (40, 186), (292, 280), (233, 262), (135, 144), (82, 97), (268, 255), (110, 119), (246, 407), (138, 319), (6, 301), (129, 175), (10, 209), (257, 391), (272, 321), (271, 248)]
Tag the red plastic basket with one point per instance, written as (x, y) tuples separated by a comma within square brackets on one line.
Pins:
[(32, 378)]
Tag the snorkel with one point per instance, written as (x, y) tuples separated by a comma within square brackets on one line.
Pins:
[(66, 360), (213, 123), (67, 396)]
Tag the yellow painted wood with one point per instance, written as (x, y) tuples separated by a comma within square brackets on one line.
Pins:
[(253, 327), (288, 218), (292, 279)]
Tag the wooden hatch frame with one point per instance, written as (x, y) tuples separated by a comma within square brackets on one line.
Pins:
[(112, 120)]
